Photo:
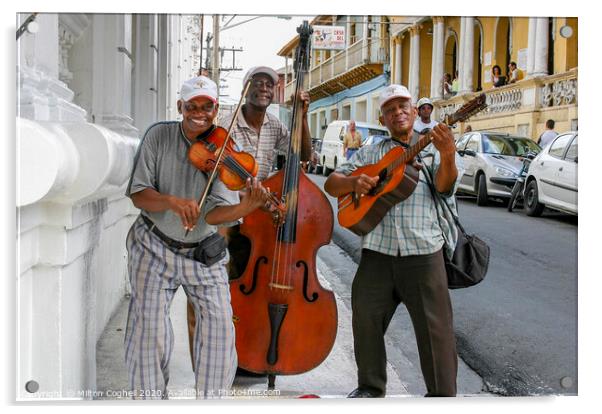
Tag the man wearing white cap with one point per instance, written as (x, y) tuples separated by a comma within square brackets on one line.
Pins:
[(262, 135), (166, 187), (402, 257), (425, 109)]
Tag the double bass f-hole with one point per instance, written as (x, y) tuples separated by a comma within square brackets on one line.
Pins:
[(259, 261), (314, 296)]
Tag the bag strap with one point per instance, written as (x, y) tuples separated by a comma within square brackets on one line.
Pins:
[(437, 197)]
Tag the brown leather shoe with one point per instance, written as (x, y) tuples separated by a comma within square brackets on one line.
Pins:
[(361, 392)]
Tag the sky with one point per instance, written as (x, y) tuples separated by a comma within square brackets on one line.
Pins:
[(260, 40)]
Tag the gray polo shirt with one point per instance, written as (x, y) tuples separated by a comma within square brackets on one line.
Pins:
[(162, 163)]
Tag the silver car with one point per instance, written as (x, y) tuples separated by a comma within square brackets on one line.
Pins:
[(492, 162)]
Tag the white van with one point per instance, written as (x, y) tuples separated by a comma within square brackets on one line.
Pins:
[(331, 154)]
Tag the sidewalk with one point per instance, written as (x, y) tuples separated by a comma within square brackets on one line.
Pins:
[(334, 378)]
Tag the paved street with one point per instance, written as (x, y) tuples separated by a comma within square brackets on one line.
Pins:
[(518, 329)]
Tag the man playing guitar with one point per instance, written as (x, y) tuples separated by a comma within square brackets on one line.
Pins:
[(402, 257)]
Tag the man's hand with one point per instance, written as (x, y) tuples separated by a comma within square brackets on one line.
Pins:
[(256, 196), (443, 140), (364, 183), (303, 97), (186, 209)]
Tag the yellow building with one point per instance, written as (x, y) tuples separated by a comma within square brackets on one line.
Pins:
[(418, 51), (544, 49)]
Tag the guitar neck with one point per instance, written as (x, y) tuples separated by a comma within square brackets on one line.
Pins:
[(412, 151)]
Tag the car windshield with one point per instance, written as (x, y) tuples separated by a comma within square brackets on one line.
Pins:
[(505, 145), (366, 131)]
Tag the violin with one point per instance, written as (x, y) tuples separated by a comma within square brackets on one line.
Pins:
[(214, 153), (235, 166)]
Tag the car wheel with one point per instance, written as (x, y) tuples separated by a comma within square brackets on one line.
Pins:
[(482, 190), (533, 206)]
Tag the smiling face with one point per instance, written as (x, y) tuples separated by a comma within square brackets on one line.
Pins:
[(261, 91), (197, 115), (398, 116)]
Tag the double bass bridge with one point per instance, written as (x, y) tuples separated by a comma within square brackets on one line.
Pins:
[(279, 286)]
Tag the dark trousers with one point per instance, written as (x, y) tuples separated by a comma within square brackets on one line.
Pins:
[(420, 282)]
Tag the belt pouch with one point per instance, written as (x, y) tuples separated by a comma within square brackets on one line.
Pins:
[(211, 250)]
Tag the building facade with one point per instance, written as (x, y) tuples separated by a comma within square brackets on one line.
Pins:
[(88, 86), (544, 49), (418, 51)]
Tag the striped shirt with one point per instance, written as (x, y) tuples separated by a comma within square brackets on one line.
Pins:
[(273, 136), (412, 226)]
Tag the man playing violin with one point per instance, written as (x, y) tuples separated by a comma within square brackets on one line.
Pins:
[(166, 187), (402, 257)]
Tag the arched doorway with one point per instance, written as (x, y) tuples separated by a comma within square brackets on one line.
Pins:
[(503, 43), (451, 53)]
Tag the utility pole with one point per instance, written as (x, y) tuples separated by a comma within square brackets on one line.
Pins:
[(216, 52), (201, 44)]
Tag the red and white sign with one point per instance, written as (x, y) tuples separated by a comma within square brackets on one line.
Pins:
[(328, 37)]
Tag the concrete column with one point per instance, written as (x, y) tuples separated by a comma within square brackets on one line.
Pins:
[(438, 58), (365, 40), (145, 71), (112, 55), (531, 46), (414, 81), (398, 59), (468, 57), (540, 65), (460, 62)]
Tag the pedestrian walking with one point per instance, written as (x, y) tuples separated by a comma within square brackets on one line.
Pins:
[(352, 140)]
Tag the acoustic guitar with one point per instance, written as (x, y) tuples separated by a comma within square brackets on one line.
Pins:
[(397, 178)]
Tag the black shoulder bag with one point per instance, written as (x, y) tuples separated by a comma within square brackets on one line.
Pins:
[(470, 261)]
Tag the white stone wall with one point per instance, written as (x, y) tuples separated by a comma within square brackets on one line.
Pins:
[(80, 95)]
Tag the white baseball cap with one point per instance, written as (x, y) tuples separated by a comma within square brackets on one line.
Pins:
[(424, 101), (261, 69), (391, 92), (199, 86)]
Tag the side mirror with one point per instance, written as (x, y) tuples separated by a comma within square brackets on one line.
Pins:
[(461, 153), (470, 152), (575, 160)]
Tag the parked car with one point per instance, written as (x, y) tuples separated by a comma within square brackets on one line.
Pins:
[(552, 179), (331, 154), (492, 163)]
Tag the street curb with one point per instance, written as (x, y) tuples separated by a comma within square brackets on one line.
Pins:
[(348, 242)]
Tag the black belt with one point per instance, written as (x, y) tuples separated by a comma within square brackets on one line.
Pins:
[(169, 241)]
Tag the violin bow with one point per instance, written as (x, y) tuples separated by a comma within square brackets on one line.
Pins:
[(222, 149)]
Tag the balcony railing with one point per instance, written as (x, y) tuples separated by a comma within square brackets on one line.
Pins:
[(362, 52), (528, 94)]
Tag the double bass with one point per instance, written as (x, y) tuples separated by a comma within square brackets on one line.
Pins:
[(285, 321)]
